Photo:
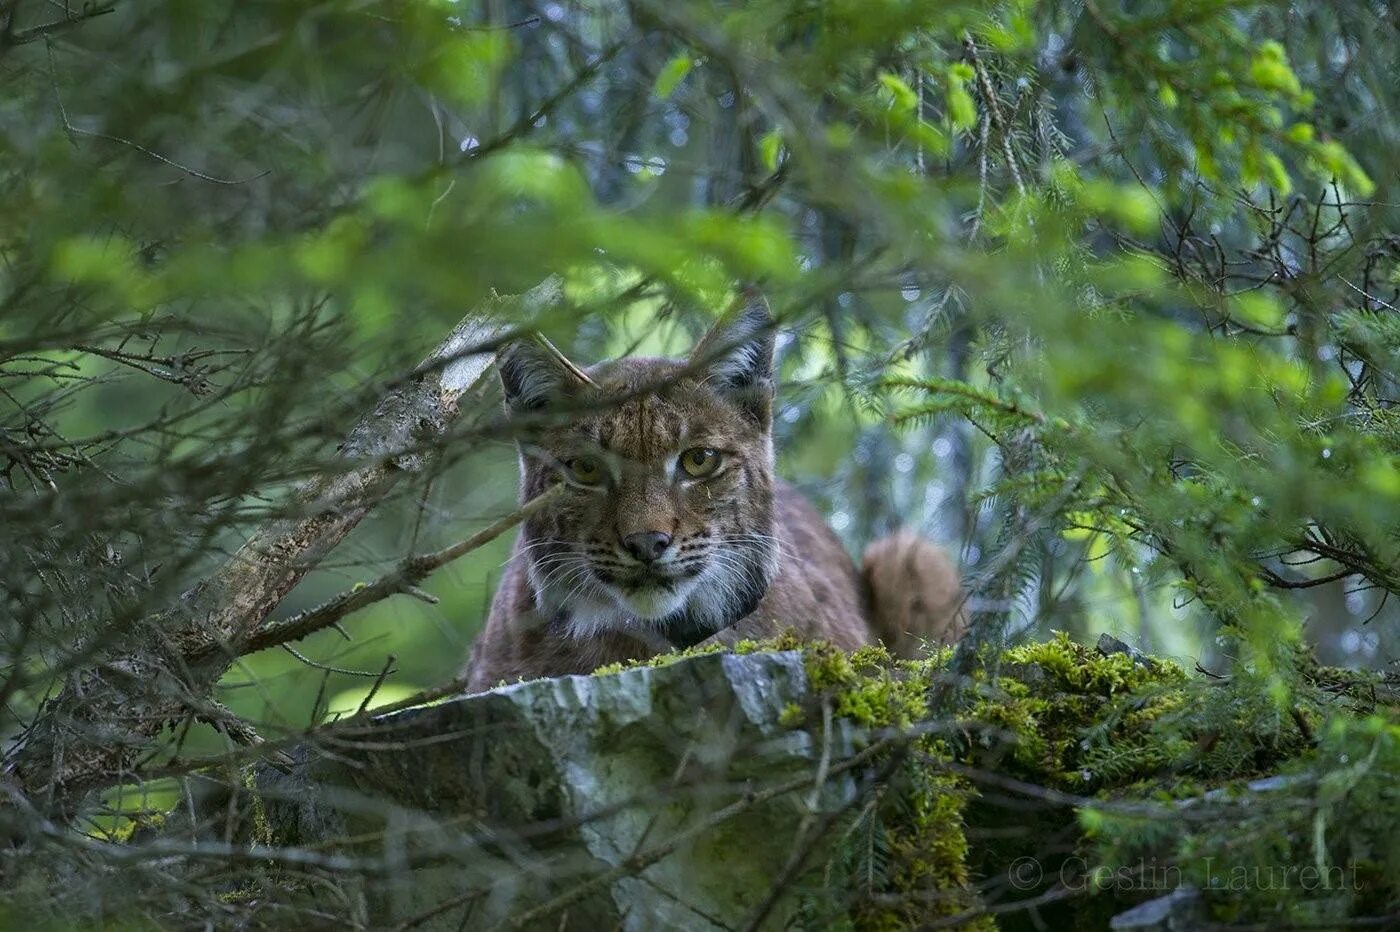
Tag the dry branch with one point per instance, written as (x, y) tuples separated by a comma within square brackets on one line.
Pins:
[(96, 728), (402, 578)]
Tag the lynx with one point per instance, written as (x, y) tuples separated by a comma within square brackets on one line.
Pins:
[(673, 529)]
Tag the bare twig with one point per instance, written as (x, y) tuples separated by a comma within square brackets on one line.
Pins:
[(402, 579), (640, 861), (72, 130), (34, 33)]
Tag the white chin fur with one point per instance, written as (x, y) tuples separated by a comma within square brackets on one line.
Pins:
[(653, 603), (599, 609)]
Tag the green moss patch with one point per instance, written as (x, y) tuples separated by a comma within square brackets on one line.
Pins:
[(1127, 769)]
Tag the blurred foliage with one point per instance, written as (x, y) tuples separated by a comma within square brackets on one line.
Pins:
[(1102, 294)]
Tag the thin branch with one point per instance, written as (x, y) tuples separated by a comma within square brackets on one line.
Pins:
[(526, 124), (72, 131), (35, 33), (402, 579), (989, 95), (637, 863)]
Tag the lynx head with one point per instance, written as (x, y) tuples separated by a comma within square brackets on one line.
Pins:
[(665, 527)]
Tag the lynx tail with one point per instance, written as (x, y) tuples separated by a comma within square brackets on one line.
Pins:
[(915, 595)]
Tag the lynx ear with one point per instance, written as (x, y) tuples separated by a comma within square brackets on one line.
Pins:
[(534, 373), (736, 356)]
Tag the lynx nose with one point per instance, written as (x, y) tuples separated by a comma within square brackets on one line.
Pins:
[(647, 546)]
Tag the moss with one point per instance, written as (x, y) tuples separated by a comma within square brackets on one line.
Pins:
[(244, 894), (1070, 717), (261, 825), (660, 660), (1083, 670), (1121, 727), (926, 871), (918, 820), (1146, 734), (904, 860), (1061, 715), (792, 716), (868, 686), (1367, 691), (746, 646), (145, 821)]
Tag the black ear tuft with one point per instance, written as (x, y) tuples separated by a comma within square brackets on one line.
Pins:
[(534, 374), (736, 356)]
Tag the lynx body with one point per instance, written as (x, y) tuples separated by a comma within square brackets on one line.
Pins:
[(673, 529)]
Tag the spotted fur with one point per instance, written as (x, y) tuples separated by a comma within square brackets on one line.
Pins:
[(747, 555)]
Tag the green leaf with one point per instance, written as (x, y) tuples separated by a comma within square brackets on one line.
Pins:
[(536, 175), (1301, 133), (1338, 163), (962, 112), (1276, 173), (840, 135), (108, 261), (770, 148), (901, 93), (91, 259), (756, 247), (1258, 309), (1270, 71), (672, 74), (1382, 477), (465, 65)]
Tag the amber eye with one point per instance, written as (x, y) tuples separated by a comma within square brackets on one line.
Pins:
[(699, 462), (586, 469)]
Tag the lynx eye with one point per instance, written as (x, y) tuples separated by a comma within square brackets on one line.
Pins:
[(586, 470), (699, 462)]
